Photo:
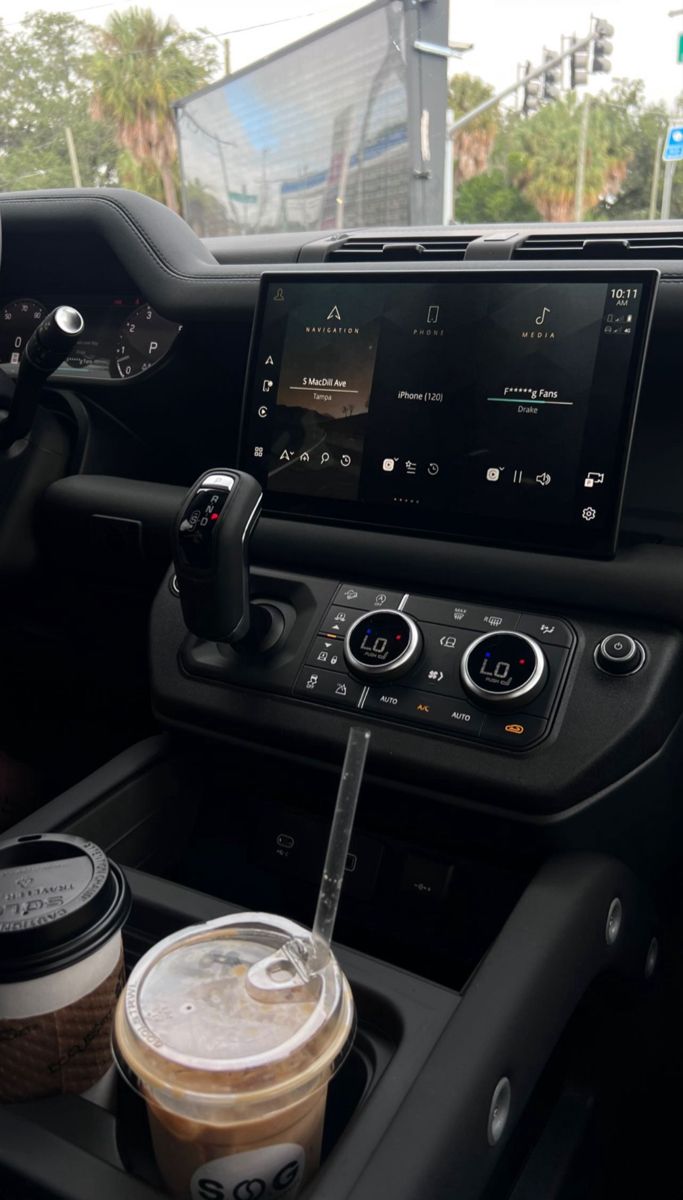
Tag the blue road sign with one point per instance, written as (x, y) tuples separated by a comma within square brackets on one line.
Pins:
[(673, 146)]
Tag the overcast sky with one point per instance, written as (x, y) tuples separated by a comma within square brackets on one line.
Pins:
[(504, 32)]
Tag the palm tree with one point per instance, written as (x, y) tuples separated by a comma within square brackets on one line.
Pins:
[(140, 67), (472, 145)]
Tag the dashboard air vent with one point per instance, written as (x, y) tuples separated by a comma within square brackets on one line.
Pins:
[(400, 249), (658, 243)]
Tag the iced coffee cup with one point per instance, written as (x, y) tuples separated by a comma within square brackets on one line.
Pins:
[(235, 1078), (62, 906)]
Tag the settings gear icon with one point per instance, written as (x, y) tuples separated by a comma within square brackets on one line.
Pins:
[(589, 514)]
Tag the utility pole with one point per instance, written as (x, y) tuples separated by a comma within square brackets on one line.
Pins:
[(226, 57), (73, 158), (669, 169), (654, 190), (581, 160)]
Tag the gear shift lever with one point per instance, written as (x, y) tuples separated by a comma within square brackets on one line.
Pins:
[(212, 534)]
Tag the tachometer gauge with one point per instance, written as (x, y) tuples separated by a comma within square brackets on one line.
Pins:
[(144, 340), (18, 319)]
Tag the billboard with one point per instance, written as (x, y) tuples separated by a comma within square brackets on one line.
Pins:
[(330, 132)]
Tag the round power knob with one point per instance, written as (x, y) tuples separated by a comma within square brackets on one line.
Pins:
[(619, 654), (382, 643), (503, 668)]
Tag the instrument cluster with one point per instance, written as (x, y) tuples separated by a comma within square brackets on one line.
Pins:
[(123, 337)]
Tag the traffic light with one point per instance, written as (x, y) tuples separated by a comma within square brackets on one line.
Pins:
[(532, 94), (552, 78), (578, 69), (602, 47)]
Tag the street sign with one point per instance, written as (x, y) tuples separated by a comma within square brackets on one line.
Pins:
[(680, 47), (673, 146)]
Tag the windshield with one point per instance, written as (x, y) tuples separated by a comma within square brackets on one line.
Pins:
[(288, 116)]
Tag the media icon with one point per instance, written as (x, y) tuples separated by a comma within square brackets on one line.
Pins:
[(594, 478), (268, 385), (433, 314), (493, 474), (589, 513), (388, 464), (263, 411), (540, 319)]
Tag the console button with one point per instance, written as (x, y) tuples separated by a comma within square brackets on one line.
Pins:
[(546, 629), (366, 598), (503, 667), (491, 618), (440, 612), (513, 732), (619, 654), (421, 708), (338, 619), (326, 653), (329, 686)]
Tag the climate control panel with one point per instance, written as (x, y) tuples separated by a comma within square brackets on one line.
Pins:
[(470, 670)]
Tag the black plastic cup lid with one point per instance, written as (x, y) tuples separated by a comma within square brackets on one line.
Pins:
[(60, 900)]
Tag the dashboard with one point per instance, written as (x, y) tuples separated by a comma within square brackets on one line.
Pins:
[(491, 443), (123, 337)]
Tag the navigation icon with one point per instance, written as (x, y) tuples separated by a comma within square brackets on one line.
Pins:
[(334, 314), (269, 361), (286, 456)]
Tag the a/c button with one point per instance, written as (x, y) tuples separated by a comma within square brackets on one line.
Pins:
[(514, 732)]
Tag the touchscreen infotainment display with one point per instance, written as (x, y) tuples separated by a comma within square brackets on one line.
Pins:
[(492, 406)]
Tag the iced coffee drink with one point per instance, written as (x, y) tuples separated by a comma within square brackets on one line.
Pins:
[(235, 1078)]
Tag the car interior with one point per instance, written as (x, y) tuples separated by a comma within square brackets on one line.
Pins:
[(257, 492)]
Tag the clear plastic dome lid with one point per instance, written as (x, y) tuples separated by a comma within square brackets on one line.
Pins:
[(190, 1019)]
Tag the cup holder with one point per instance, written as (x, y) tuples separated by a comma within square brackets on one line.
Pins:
[(347, 1090)]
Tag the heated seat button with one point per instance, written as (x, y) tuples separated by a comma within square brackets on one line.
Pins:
[(328, 686), (366, 598), (513, 732)]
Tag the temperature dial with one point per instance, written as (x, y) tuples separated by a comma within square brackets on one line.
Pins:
[(503, 668), (383, 643)]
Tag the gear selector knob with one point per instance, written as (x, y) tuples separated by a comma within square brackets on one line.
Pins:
[(211, 553)]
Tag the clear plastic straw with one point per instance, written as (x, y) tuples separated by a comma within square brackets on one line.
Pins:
[(340, 836)]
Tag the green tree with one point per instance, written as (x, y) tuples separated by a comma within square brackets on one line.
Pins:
[(140, 67), (43, 89), (543, 155), (472, 145), (490, 198)]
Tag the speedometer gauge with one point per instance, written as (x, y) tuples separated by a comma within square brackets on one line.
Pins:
[(18, 319), (144, 340)]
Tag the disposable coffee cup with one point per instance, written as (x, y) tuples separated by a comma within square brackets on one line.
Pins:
[(235, 1081), (62, 906)]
